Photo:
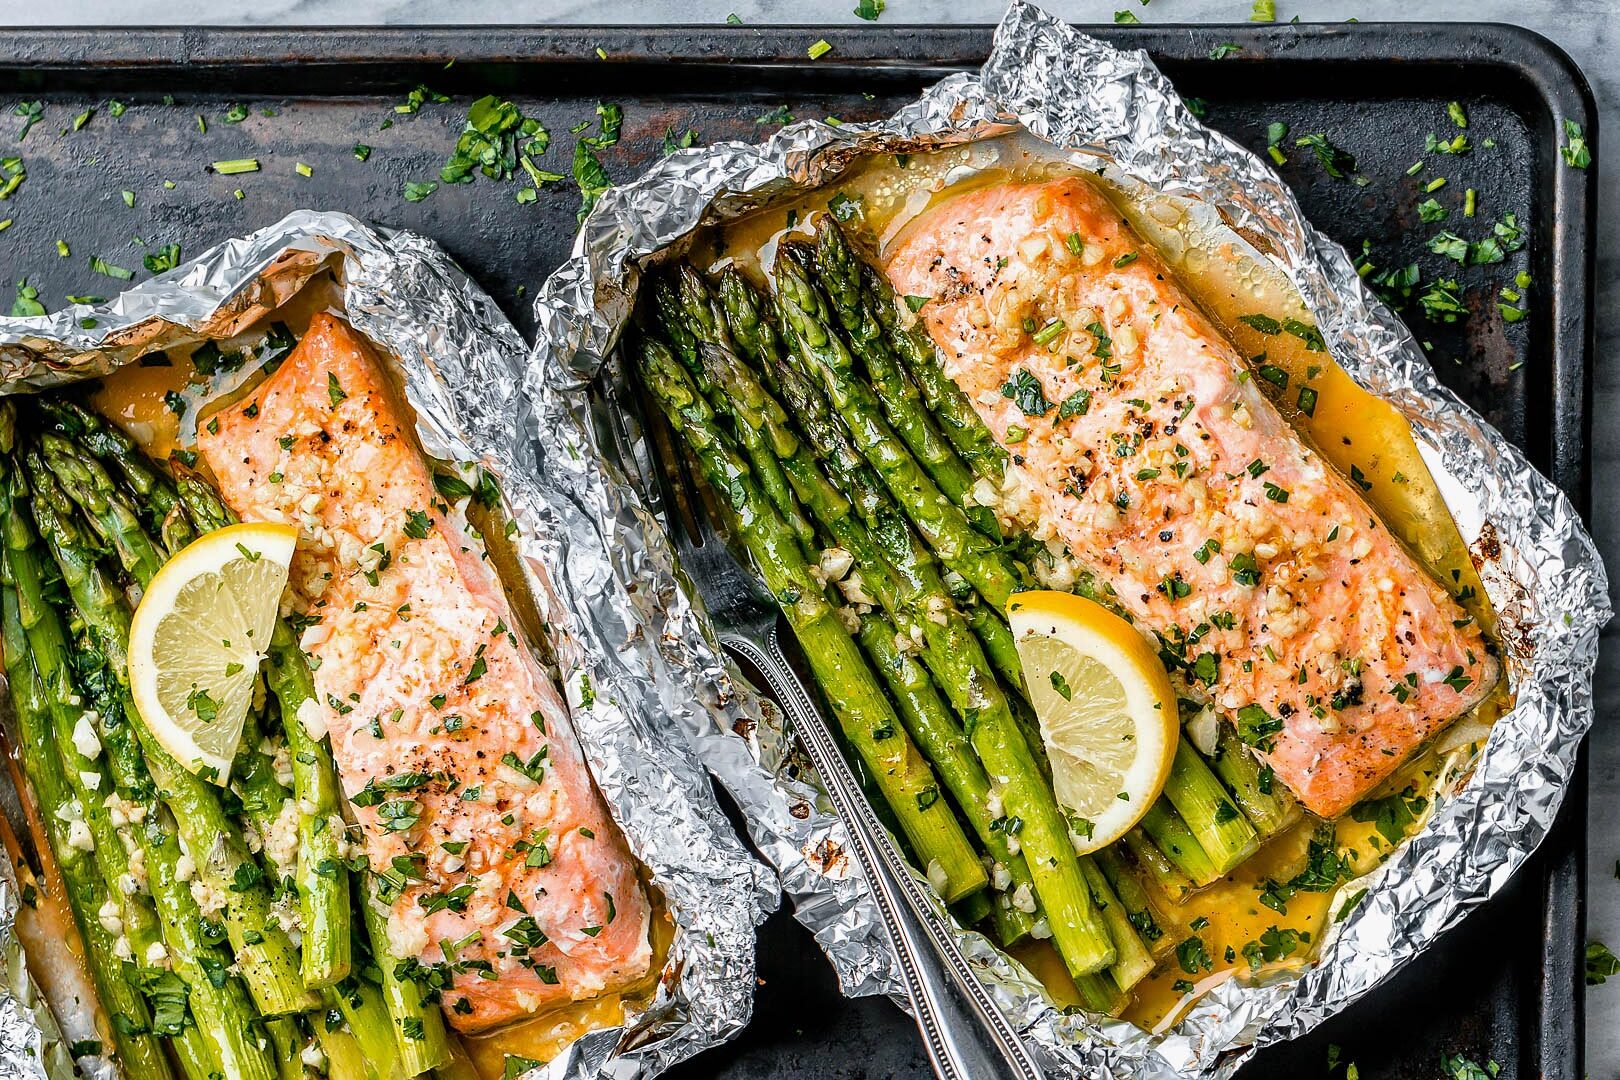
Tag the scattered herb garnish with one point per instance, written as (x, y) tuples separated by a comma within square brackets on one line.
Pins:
[(1575, 151), (1335, 161), (1601, 964), (30, 111), (589, 174)]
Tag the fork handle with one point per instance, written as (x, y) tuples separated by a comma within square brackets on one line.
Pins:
[(966, 1036)]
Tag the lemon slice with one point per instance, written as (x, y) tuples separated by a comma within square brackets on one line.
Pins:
[(198, 636), (1106, 709)]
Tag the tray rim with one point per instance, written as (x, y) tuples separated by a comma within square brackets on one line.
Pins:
[(1553, 78)]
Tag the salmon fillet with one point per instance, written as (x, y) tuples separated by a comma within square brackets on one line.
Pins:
[(1139, 439), (446, 730)]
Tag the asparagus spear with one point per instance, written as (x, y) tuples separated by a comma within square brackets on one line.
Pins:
[(824, 357), (1263, 800), (323, 885), (104, 507), (219, 1002), (1170, 834), (419, 1034), (951, 407), (1220, 828), (1156, 866), (139, 1051), (672, 315), (840, 279), (1134, 962), (749, 322), (288, 1039), (864, 714), (154, 492), (1139, 907), (909, 585), (916, 698), (267, 959)]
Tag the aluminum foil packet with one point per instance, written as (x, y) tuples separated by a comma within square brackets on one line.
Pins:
[(461, 363), (1106, 109)]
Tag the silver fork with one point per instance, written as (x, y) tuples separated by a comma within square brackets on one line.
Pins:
[(966, 1036)]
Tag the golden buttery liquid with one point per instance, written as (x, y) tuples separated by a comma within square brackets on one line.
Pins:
[(1351, 428)]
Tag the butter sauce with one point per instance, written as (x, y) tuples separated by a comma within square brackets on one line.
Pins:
[(1364, 437)]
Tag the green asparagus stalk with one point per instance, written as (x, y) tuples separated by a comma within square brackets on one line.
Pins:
[(104, 507), (1263, 800), (323, 885), (361, 1005), (991, 627), (748, 320), (868, 721), (219, 1002), (918, 702), (154, 493), (1220, 828), (823, 356), (288, 1039), (673, 317), (1156, 866), (87, 892), (1133, 895), (1135, 961), (267, 959), (419, 1034), (345, 1059), (931, 726), (264, 800), (839, 275), (1171, 836), (951, 407), (1099, 993)]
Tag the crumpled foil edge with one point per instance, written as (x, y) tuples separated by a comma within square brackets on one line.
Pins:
[(462, 364), (1109, 106)]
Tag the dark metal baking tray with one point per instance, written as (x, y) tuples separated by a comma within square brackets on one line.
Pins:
[(1505, 986)]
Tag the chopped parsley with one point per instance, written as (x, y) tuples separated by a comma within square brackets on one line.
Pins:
[(1026, 391), (1335, 161)]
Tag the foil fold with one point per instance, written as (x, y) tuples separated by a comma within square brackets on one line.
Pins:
[(1107, 109), (462, 366)]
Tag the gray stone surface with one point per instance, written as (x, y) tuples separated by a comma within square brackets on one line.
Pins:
[(1588, 29)]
